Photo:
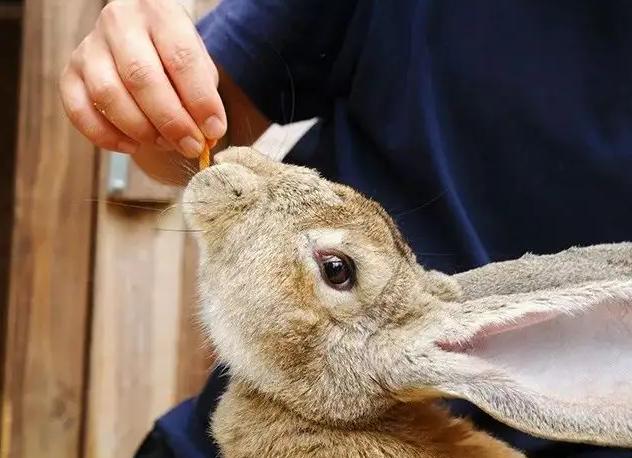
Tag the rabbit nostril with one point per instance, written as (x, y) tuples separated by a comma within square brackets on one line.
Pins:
[(237, 192)]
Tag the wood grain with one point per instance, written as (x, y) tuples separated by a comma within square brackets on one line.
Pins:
[(51, 247), (147, 354), (135, 328)]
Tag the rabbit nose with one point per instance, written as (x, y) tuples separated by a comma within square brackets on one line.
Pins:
[(233, 179)]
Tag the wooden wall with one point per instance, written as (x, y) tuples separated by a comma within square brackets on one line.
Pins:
[(97, 295), (49, 284), (98, 337)]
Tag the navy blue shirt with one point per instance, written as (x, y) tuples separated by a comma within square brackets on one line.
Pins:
[(487, 128)]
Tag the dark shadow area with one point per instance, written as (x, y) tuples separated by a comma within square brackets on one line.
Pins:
[(10, 38)]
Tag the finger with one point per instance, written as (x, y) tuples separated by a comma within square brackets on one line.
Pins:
[(143, 76), (191, 69), (108, 94), (87, 119)]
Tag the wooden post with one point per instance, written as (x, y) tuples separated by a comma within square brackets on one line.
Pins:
[(137, 314), (50, 270)]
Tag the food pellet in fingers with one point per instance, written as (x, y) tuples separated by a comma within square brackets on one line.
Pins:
[(205, 157)]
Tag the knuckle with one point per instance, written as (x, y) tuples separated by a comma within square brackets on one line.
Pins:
[(144, 134), (75, 57), (74, 111), (158, 6), (109, 12), (201, 101), (149, 4), (138, 75), (168, 125), (103, 93), (95, 133), (112, 12), (181, 60), (72, 106), (171, 124), (64, 74)]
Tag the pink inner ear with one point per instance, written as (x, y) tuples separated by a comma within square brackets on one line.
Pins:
[(565, 373), (584, 357), (528, 319)]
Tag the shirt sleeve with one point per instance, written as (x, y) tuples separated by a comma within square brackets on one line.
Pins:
[(280, 52)]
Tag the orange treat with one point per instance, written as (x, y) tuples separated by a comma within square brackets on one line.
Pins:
[(205, 157)]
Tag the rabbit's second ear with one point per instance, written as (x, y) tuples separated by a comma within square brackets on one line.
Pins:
[(549, 351)]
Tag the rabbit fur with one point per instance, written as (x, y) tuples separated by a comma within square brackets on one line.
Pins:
[(320, 372)]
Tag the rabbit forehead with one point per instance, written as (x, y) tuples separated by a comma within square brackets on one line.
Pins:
[(359, 221)]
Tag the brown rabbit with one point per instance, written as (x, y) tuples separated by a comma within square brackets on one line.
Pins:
[(338, 342)]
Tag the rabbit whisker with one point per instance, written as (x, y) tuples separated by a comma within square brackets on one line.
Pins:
[(164, 229), (148, 207), (420, 207)]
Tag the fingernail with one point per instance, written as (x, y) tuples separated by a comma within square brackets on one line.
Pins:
[(190, 146), (126, 147), (213, 127), (164, 144)]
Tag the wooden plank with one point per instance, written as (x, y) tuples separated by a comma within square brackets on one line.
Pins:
[(146, 353), (51, 247), (135, 326)]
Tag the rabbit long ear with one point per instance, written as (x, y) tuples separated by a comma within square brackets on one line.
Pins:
[(545, 344), (574, 266)]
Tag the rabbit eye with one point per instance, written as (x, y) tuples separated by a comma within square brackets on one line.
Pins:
[(337, 270)]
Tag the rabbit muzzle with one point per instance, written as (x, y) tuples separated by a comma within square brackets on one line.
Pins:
[(220, 190)]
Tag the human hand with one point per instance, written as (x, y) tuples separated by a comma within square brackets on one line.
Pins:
[(142, 79)]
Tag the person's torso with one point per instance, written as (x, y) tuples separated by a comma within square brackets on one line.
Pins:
[(487, 129)]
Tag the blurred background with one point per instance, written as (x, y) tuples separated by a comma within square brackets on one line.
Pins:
[(97, 293)]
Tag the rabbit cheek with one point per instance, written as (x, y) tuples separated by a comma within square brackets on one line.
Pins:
[(303, 284)]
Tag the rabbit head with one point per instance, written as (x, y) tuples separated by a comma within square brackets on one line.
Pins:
[(311, 296)]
